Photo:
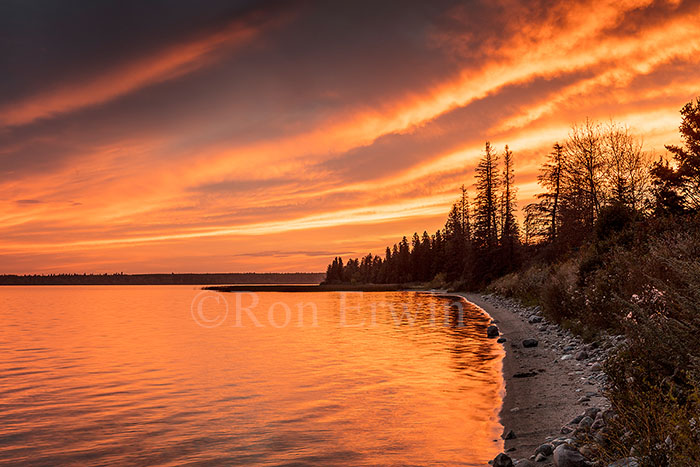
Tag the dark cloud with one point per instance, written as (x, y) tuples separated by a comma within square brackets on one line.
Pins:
[(49, 42)]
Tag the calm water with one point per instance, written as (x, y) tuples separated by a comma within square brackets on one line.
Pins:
[(161, 375)]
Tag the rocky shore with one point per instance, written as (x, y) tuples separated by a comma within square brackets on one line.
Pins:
[(554, 411)]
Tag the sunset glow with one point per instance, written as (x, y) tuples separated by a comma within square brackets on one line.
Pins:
[(273, 137)]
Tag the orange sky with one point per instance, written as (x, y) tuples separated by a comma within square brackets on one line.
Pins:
[(273, 137)]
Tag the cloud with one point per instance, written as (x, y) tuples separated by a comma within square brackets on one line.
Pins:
[(308, 125), (28, 201), (166, 64)]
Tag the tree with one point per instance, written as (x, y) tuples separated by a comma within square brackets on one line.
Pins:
[(486, 202), (464, 214), (586, 168), (628, 167), (543, 218), (666, 183), (509, 230), (686, 178), (455, 243)]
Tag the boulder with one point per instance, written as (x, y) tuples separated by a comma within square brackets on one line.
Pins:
[(534, 319), (501, 340), (546, 449), (586, 422), (576, 420), (527, 343), (582, 355), (566, 455), (492, 331), (502, 460), (540, 457)]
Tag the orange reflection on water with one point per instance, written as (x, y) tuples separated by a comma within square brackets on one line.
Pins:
[(125, 374)]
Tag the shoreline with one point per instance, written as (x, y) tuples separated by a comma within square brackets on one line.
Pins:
[(547, 386), (313, 288)]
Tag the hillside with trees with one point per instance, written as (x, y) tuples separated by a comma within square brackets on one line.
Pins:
[(610, 245)]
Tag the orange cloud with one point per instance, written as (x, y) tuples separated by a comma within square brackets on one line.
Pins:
[(167, 64), (138, 203)]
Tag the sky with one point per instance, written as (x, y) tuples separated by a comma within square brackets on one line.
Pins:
[(236, 136)]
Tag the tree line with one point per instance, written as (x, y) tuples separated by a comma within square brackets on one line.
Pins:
[(600, 171)]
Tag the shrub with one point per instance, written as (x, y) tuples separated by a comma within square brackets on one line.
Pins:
[(655, 379), (526, 285)]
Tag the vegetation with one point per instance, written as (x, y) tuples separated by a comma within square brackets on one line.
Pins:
[(611, 244)]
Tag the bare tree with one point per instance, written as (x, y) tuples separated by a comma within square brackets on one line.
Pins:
[(628, 166), (586, 167)]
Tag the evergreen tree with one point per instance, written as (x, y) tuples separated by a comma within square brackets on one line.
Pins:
[(685, 180), (455, 243), (543, 218), (510, 233), (486, 202)]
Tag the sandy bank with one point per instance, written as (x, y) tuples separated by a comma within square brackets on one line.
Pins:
[(546, 386)]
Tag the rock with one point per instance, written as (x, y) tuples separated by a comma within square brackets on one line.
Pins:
[(576, 420), (608, 415), (565, 430), (501, 340), (540, 457), (566, 357), (598, 423), (509, 435), (534, 319), (528, 343), (626, 462), (583, 399), (546, 449), (502, 460), (587, 451), (582, 355), (596, 367), (566, 455), (586, 422), (524, 463), (591, 412), (492, 331)]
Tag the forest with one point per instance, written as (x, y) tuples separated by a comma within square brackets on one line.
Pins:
[(610, 246)]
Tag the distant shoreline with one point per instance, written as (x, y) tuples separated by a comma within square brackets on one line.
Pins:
[(312, 288), (310, 278)]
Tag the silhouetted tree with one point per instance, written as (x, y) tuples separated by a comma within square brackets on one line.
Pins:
[(510, 233), (585, 169), (685, 179), (486, 202)]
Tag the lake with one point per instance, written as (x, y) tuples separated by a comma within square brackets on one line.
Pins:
[(173, 375)]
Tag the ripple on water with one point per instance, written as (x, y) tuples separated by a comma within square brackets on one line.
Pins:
[(123, 375)]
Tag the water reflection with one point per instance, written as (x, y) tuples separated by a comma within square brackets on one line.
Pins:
[(125, 375)]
